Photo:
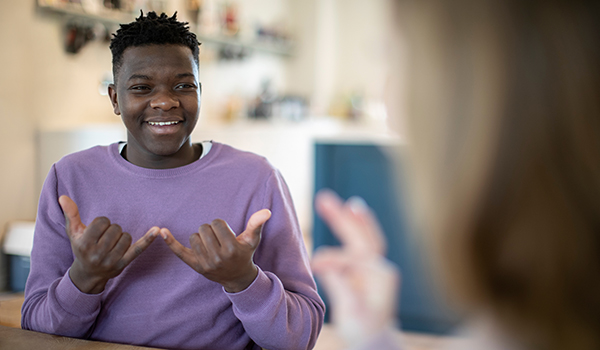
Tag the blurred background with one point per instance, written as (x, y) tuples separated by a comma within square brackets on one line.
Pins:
[(302, 82)]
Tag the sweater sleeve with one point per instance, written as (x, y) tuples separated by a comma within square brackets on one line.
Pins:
[(53, 304), (281, 309)]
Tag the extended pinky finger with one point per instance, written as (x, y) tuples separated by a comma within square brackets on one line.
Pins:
[(140, 245), (184, 253)]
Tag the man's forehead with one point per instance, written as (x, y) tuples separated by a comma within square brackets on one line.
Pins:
[(146, 52), (158, 57)]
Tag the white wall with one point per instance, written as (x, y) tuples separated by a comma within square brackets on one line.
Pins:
[(16, 134), (343, 50), (40, 85), (362, 46)]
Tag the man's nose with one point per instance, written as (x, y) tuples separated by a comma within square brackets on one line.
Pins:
[(164, 100)]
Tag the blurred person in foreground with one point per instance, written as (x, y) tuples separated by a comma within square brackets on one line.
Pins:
[(504, 146)]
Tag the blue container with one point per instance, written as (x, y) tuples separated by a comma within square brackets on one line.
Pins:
[(18, 272), (16, 245)]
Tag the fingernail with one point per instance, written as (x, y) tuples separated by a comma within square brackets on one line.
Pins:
[(153, 232), (357, 204), (163, 234)]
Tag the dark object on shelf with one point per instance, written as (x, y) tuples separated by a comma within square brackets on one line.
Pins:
[(233, 52), (293, 108), (231, 26), (77, 36), (112, 4), (263, 106)]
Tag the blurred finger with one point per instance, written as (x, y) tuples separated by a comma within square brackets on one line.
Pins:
[(330, 259), (382, 291), (348, 226), (366, 218), (340, 293)]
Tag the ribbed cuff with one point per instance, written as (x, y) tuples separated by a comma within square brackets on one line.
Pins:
[(259, 290), (73, 301)]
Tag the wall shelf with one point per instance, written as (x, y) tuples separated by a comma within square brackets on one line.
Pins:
[(274, 48), (112, 18), (77, 11)]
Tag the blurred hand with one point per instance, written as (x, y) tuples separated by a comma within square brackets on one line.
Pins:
[(360, 283), (219, 255), (102, 250)]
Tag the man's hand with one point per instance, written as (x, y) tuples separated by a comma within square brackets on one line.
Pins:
[(102, 250), (219, 255)]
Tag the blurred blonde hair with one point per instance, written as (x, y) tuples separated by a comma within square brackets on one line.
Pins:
[(504, 128)]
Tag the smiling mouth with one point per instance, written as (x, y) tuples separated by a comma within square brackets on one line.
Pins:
[(163, 123)]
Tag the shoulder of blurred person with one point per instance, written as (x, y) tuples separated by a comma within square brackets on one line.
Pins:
[(504, 127)]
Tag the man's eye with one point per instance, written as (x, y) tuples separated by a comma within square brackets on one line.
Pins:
[(139, 88), (185, 86)]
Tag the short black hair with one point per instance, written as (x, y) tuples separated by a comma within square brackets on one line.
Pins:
[(151, 29)]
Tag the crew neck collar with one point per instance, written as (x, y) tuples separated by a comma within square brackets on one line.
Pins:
[(209, 152)]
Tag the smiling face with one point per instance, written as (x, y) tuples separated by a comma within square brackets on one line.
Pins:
[(157, 95)]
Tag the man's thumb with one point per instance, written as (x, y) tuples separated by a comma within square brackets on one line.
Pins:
[(251, 235), (73, 220)]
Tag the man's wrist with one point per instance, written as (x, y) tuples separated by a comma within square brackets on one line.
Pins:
[(85, 283), (242, 283)]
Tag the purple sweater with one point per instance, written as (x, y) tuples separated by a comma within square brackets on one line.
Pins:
[(158, 300)]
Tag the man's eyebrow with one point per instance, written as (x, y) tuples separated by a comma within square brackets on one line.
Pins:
[(139, 76), (147, 77), (185, 75)]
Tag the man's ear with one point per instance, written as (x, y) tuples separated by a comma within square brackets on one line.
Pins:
[(112, 93)]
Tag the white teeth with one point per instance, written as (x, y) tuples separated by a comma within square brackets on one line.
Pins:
[(162, 123)]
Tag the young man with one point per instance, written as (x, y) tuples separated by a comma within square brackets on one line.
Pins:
[(222, 291)]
